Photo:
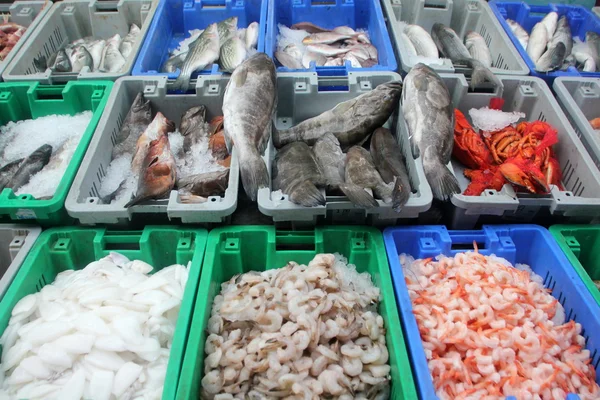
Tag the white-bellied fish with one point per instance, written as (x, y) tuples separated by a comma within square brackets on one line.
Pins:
[(202, 52), (478, 49)]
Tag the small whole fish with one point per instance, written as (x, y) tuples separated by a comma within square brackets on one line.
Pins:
[(325, 38), (361, 171), (233, 53), (135, 123), (30, 166), (350, 121), (248, 109), (126, 46), (429, 114), (538, 40), (478, 49), (61, 62), (81, 58), (344, 30), (296, 173), (160, 126), (550, 21), (96, 50), (520, 33), (227, 28), (421, 41), (252, 33), (410, 47), (326, 50), (112, 59), (390, 163), (203, 51), (197, 188), (8, 171), (159, 172), (332, 161), (309, 27), (174, 62)]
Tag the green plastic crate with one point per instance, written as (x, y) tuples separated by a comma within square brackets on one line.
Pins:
[(240, 249), (19, 101), (580, 245), (60, 249)]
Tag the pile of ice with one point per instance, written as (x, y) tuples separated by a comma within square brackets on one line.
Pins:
[(62, 132), (489, 120)]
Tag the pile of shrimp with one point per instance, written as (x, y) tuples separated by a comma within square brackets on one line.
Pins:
[(297, 332), (491, 330)]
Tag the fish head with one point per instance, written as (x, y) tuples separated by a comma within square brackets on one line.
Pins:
[(163, 124), (43, 153), (231, 22), (191, 118), (142, 106)]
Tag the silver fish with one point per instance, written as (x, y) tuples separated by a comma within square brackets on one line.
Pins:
[(408, 44), (135, 123), (478, 49), (351, 121), (422, 41), (550, 21), (593, 41), (310, 57), (453, 48), (390, 163), (174, 62), (584, 57), (96, 50), (538, 40), (296, 173), (309, 27), (344, 30), (126, 46), (429, 114), (332, 161), (81, 58), (563, 35), (233, 53), (248, 110), (287, 60), (552, 59), (326, 49), (202, 52), (197, 188), (8, 171), (112, 59), (520, 33), (227, 28), (30, 166), (61, 62), (252, 33), (361, 171)]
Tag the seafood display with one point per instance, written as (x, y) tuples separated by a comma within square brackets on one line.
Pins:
[(220, 42), (10, 34), (304, 43), (521, 155), (101, 332), (337, 161), (551, 45), (309, 331), (35, 153), (97, 55), (491, 330), (150, 157)]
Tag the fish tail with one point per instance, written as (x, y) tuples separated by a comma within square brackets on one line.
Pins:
[(253, 171), (358, 196), (182, 83), (481, 74), (307, 194), (443, 183), (281, 138), (400, 194), (137, 199)]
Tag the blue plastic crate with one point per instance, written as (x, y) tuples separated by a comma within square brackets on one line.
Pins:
[(175, 18), (357, 14), (529, 244), (580, 19)]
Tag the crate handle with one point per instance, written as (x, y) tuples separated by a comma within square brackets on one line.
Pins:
[(463, 240), (323, 2), (49, 93), (120, 240), (107, 7), (295, 241), (213, 3)]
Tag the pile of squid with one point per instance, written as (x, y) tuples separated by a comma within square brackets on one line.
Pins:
[(521, 155), (297, 332), (10, 34), (491, 330)]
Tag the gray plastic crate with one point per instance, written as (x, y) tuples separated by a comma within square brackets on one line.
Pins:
[(83, 202), (15, 243), (462, 16), (581, 199), (302, 96), (580, 99), (74, 19), (27, 14)]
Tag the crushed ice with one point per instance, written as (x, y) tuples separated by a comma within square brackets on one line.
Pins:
[(490, 120)]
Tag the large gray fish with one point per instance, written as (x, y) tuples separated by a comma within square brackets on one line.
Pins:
[(233, 53), (197, 188), (30, 166), (332, 161), (351, 121), (593, 41), (361, 171), (429, 114), (126, 46), (248, 110), (478, 49), (7, 172), (520, 33), (136, 121), (174, 62), (296, 173), (81, 58), (453, 48), (227, 28), (390, 163), (421, 41), (112, 59), (202, 52), (559, 47)]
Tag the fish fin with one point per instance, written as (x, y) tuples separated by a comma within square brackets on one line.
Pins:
[(400, 195), (358, 196), (111, 196), (137, 199), (307, 194), (239, 78), (253, 171), (281, 138), (414, 148), (182, 83), (443, 184), (343, 107), (481, 74), (264, 139)]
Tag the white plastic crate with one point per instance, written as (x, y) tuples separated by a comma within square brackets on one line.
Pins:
[(580, 201), (304, 95), (15, 243), (83, 200), (462, 16), (75, 19)]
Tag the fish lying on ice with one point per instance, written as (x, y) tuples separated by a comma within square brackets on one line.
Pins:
[(30, 166), (135, 123)]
